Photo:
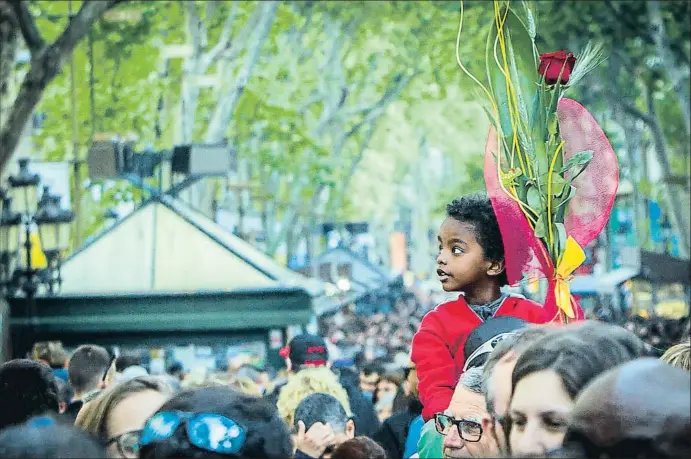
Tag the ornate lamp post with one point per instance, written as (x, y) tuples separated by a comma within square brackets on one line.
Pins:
[(21, 274)]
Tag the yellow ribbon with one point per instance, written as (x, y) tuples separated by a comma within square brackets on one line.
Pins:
[(571, 259)]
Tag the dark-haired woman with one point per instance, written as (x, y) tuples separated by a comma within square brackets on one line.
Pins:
[(552, 372)]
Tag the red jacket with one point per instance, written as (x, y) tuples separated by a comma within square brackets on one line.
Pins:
[(437, 349)]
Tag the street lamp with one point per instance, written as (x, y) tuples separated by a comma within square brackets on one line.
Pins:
[(21, 275)]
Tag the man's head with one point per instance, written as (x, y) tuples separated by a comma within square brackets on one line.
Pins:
[(51, 353), (497, 377), (88, 369), (123, 362), (471, 251), (369, 378), (327, 410), (65, 394), (44, 437), (488, 335), (616, 416), (27, 388), (177, 370), (305, 350), (461, 423)]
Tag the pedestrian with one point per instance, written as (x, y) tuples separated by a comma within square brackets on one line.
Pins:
[(461, 422), (470, 262), (44, 438), (359, 448), (550, 374), (90, 370), (215, 422), (27, 389), (638, 409), (321, 424), (118, 414), (497, 377)]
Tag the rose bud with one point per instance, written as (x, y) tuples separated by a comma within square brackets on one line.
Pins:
[(551, 66)]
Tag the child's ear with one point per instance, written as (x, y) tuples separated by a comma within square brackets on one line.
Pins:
[(496, 268)]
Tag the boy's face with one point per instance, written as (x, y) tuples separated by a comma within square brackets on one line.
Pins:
[(461, 263)]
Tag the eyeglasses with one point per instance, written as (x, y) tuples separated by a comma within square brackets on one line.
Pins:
[(128, 443), (469, 431), (208, 431)]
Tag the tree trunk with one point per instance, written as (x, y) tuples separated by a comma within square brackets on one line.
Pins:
[(674, 197), (678, 75), (8, 49), (46, 63), (226, 106), (200, 194)]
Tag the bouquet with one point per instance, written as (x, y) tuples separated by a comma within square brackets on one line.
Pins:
[(550, 172)]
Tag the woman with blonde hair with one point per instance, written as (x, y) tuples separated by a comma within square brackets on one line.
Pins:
[(118, 414), (678, 356), (305, 382)]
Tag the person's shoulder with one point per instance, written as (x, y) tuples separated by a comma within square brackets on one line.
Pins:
[(453, 306), (526, 308)]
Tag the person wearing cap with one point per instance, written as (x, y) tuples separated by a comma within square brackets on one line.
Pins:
[(303, 351), (612, 419), (307, 360)]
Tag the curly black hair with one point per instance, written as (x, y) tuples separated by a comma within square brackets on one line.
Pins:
[(476, 210)]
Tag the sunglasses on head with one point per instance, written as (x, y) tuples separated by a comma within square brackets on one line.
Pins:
[(207, 431)]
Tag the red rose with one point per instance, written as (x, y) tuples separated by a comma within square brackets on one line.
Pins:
[(552, 63)]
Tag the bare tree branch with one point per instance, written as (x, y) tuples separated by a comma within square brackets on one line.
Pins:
[(237, 45), (398, 84), (9, 34), (224, 39), (32, 37), (196, 29), (226, 106), (45, 66)]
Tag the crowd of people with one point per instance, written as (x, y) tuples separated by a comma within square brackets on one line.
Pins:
[(536, 390), (485, 374)]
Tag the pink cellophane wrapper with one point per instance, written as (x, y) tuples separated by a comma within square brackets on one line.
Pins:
[(588, 211)]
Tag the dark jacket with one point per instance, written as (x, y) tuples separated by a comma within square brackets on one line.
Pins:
[(73, 410), (366, 420), (393, 432)]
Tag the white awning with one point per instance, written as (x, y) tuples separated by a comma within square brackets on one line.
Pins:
[(607, 282)]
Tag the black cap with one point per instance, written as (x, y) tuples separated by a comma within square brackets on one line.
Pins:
[(306, 349), (486, 336)]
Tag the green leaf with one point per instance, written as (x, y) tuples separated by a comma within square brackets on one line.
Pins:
[(534, 199), (540, 228), (523, 72), (553, 125), (577, 163), (561, 237), (558, 183)]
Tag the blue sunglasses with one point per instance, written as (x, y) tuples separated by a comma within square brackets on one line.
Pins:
[(208, 431)]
